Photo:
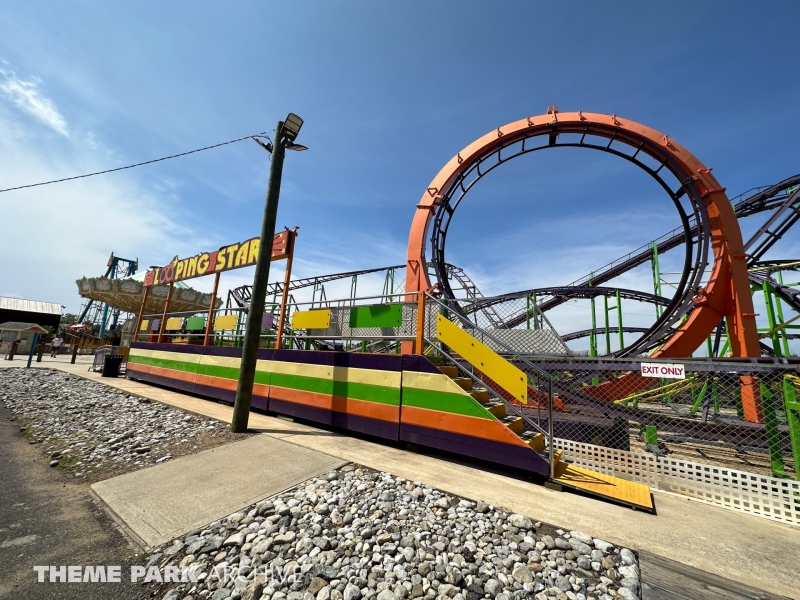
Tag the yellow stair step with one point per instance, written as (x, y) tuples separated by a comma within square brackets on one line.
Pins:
[(535, 441), (498, 409), (481, 395), (465, 383), (515, 424), (449, 371)]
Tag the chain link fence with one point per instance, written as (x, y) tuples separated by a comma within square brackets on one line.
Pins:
[(722, 413), (725, 413)]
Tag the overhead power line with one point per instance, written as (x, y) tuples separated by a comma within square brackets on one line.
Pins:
[(148, 162)]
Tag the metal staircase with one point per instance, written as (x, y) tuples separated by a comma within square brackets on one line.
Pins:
[(490, 379)]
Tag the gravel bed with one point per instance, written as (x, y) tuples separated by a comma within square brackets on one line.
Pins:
[(355, 534), (93, 431)]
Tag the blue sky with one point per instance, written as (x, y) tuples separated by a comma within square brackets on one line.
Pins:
[(389, 92)]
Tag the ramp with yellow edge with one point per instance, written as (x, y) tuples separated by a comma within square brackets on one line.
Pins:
[(480, 356), (636, 495)]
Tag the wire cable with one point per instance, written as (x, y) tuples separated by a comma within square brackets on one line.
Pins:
[(148, 162)]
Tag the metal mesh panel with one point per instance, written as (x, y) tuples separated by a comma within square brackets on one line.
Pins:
[(527, 341), (731, 415), (723, 431), (516, 322), (340, 325), (760, 495)]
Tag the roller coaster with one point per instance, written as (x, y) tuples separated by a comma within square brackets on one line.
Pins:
[(781, 201), (436, 363)]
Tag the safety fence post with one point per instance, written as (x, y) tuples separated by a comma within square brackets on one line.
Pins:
[(33, 349), (550, 428), (418, 349)]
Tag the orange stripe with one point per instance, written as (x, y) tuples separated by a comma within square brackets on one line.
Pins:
[(259, 389), (350, 406), (487, 429)]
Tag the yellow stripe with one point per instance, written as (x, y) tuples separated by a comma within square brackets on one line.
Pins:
[(509, 377), (342, 374), (220, 361), (163, 355), (433, 382), (311, 319)]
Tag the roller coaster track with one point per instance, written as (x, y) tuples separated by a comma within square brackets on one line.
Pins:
[(788, 294), (242, 294), (565, 293), (473, 292), (763, 199), (575, 335), (786, 207)]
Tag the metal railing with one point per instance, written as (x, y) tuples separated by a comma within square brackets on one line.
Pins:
[(733, 414), (539, 420)]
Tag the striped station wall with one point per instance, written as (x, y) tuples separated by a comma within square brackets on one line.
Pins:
[(438, 413), (396, 397)]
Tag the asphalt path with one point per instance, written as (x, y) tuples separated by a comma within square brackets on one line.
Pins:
[(47, 520)]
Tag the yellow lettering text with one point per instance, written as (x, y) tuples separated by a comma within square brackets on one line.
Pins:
[(241, 255), (252, 257), (231, 250), (202, 264)]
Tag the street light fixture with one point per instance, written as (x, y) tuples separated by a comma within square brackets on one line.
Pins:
[(291, 127), (285, 134)]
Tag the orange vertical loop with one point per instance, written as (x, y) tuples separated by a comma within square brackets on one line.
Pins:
[(727, 292)]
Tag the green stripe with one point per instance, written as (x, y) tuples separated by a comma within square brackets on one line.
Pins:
[(210, 370), (446, 402), (345, 389)]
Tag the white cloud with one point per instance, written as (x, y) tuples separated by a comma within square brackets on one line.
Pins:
[(53, 235), (25, 95)]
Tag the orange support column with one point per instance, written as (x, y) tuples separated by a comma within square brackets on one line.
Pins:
[(418, 348), (164, 316), (210, 323), (141, 312), (285, 293)]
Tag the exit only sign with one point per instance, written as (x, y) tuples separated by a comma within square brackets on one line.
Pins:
[(663, 370)]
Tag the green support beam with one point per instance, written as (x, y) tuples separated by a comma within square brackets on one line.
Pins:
[(792, 407)]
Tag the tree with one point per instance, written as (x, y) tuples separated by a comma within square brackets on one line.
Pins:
[(68, 319)]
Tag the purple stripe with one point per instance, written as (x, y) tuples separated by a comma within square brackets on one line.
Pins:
[(333, 418), (208, 391), (381, 362), (466, 445), (420, 364), (195, 349)]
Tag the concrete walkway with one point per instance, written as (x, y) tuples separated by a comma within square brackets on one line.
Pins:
[(746, 549), (164, 501)]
